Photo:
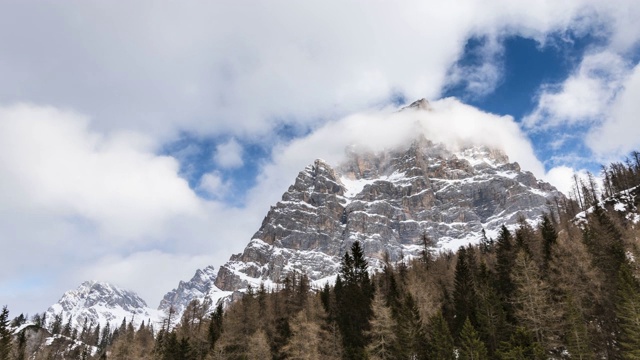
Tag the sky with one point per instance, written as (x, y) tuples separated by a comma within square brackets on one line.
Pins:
[(142, 140)]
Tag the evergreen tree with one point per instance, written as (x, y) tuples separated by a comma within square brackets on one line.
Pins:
[(492, 325), (440, 340), (56, 326), (521, 346), (102, 339), (66, 330), (5, 334), (471, 347), (504, 265), (215, 325), (354, 293), (628, 313), (411, 335), (465, 298), (549, 239)]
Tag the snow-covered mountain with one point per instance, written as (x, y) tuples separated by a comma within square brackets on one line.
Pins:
[(102, 303), (201, 287), (387, 201)]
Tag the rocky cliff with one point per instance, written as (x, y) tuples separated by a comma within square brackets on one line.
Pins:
[(201, 287), (387, 201)]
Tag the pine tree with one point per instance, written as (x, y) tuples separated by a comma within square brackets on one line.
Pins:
[(465, 298), (492, 323), (504, 265), (215, 326), (471, 347), (354, 293), (628, 313), (440, 340), (521, 346), (410, 331), (5, 334), (56, 326), (549, 239)]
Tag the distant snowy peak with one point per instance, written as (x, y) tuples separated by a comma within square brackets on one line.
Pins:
[(387, 200), (101, 303), (201, 287)]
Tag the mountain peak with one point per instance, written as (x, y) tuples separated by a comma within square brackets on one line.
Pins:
[(200, 287), (387, 201), (100, 303), (421, 104)]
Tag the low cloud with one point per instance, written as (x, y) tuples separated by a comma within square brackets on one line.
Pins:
[(450, 122)]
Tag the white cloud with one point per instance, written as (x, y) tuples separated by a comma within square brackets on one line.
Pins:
[(482, 77), (561, 178), (451, 123), (74, 199), (620, 133), (51, 161), (584, 97), (229, 154), (133, 270), (214, 67), (212, 184)]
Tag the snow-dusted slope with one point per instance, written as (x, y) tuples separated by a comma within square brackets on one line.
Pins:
[(387, 201), (200, 288), (102, 303)]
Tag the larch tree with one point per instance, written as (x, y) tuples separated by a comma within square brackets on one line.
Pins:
[(533, 307), (382, 335)]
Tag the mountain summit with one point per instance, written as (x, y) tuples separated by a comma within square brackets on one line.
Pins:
[(101, 303), (387, 201)]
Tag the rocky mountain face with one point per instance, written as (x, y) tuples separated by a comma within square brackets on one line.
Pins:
[(102, 303), (387, 201), (201, 287)]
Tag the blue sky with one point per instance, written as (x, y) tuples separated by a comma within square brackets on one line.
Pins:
[(140, 143)]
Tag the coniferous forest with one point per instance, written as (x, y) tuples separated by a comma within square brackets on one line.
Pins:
[(565, 288)]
